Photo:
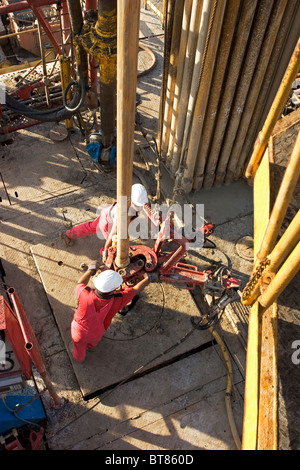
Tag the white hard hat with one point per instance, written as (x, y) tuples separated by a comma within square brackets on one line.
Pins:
[(139, 195), (107, 281)]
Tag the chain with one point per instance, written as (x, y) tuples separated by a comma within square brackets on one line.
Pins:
[(255, 277)]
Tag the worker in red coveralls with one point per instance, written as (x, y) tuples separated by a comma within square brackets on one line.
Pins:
[(97, 307), (106, 222)]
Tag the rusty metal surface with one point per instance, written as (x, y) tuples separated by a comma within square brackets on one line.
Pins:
[(288, 302), (271, 414)]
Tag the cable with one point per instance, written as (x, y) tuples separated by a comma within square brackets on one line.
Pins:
[(180, 341), (15, 413), (54, 115), (82, 95), (228, 392)]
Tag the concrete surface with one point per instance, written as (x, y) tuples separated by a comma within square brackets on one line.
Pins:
[(138, 417), (178, 402), (135, 342)]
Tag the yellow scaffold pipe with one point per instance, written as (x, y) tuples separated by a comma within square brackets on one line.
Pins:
[(283, 198), (284, 276), (286, 243)]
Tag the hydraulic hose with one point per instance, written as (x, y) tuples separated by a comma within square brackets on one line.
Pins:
[(82, 95), (230, 416), (53, 115)]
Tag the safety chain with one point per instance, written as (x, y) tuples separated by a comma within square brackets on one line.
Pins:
[(255, 277)]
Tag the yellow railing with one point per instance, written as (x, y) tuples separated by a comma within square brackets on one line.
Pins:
[(275, 265)]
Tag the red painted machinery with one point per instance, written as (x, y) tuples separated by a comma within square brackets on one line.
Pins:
[(166, 259)]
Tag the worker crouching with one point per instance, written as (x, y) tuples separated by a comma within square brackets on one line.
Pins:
[(105, 225), (97, 307)]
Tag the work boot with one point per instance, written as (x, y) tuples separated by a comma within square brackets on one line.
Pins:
[(68, 241)]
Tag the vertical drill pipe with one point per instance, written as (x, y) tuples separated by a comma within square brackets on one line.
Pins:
[(127, 63), (178, 81), (186, 80), (256, 40), (203, 35), (283, 198), (274, 113), (236, 160), (175, 43), (236, 60), (168, 27), (106, 29), (230, 17), (260, 111), (202, 96)]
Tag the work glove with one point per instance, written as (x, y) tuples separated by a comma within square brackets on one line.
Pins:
[(104, 256), (93, 266), (153, 277)]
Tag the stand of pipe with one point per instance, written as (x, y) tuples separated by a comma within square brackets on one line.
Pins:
[(274, 113), (179, 76), (168, 26), (236, 160), (202, 96), (259, 114), (198, 68), (175, 43), (127, 63), (245, 20), (256, 40), (186, 80), (228, 28)]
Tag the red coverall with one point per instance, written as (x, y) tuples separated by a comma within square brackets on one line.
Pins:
[(93, 316), (103, 223)]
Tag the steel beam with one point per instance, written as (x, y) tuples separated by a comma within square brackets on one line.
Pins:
[(45, 25), (24, 5)]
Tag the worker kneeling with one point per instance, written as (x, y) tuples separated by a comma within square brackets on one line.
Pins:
[(97, 307)]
